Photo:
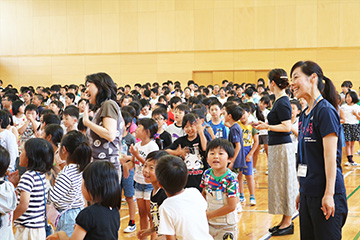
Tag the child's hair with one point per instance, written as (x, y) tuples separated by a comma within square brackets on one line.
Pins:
[(246, 107), (51, 118), (136, 106), (150, 125), (297, 104), (235, 111), (83, 99), (31, 107), (162, 98), (201, 107), (144, 103), (4, 161), (183, 108), (72, 111), (40, 97), (354, 96), (172, 173), (347, 84), (127, 117), (56, 132), (249, 91), (215, 102), (161, 105), (265, 100), (129, 109), (101, 180), (174, 100), (77, 145), (156, 155), (59, 104), (160, 111), (16, 105), (4, 119), (40, 154), (222, 143), (190, 117), (199, 113)]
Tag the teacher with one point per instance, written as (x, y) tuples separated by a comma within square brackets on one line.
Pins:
[(105, 130), (322, 201), (283, 185)]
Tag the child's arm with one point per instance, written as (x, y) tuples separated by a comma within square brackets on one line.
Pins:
[(135, 152), (23, 204), (228, 208), (170, 237), (145, 232), (78, 234), (253, 148), (203, 193), (295, 130), (23, 127), (236, 153), (200, 128), (127, 166)]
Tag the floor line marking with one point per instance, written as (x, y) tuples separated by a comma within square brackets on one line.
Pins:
[(357, 236), (352, 193)]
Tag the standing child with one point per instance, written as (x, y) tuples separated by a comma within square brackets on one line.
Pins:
[(71, 117), (158, 194), (101, 220), (29, 129), (18, 109), (29, 215), (176, 129), (191, 148), (160, 116), (183, 213), (251, 142), (295, 113), (66, 194), (145, 132), (7, 198), (220, 189), (218, 126), (173, 103)]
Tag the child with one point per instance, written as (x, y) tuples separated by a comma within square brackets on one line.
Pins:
[(145, 132), (183, 213), (158, 194), (351, 125), (37, 101), (218, 126), (127, 179), (56, 107), (29, 129), (70, 119), (101, 220), (18, 109), (174, 102), (37, 156), (160, 116), (145, 111), (191, 148), (220, 189), (295, 113), (69, 99), (7, 198), (7, 139), (66, 194), (176, 129), (54, 133), (251, 142), (222, 95), (81, 104)]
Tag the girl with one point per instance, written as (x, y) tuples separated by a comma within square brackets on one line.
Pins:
[(81, 105), (18, 108), (66, 194), (351, 125), (7, 139), (222, 95), (295, 113), (191, 148), (146, 130), (37, 156), (101, 220), (57, 107)]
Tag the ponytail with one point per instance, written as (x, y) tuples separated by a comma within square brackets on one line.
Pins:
[(329, 92), (259, 115)]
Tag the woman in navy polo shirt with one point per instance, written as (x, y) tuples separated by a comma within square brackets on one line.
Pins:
[(322, 200)]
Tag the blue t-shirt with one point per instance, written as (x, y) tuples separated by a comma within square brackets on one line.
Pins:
[(236, 135), (281, 111), (324, 120), (220, 129)]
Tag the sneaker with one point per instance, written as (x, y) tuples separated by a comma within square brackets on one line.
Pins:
[(242, 199), (252, 201), (358, 152), (238, 207), (254, 170), (351, 164), (130, 229), (267, 172)]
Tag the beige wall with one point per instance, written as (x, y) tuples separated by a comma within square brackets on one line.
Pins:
[(44, 42)]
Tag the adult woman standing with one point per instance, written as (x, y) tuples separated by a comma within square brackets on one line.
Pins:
[(105, 130), (319, 155), (283, 186)]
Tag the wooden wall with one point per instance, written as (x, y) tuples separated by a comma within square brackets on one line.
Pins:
[(60, 41)]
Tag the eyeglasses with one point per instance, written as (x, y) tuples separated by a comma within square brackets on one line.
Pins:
[(158, 119)]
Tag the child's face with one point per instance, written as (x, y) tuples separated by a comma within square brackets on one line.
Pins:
[(245, 117), (215, 111), (68, 101), (226, 115), (262, 105), (81, 106), (294, 111), (348, 99), (85, 192), (26, 97), (344, 89), (23, 159), (179, 115), (69, 121), (30, 114), (218, 158), (159, 120), (222, 93), (190, 129), (141, 132), (145, 110), (36, 101), (149, 171), (187, 92), (22, 109), (54, 108)]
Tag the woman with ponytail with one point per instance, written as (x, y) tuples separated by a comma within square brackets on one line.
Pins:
[(66, 194), (282, 180), (322, 200)]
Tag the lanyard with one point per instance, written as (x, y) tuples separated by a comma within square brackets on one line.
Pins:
[(303, 127)]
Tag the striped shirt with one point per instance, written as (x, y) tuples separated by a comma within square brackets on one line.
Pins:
[(34, 217), (66, 193)]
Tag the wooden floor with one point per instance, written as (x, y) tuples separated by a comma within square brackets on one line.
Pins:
[(254, 221)]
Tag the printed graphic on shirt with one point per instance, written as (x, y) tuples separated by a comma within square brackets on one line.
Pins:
[(193, 160), (154, 211)]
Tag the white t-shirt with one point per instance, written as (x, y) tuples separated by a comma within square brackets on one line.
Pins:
[(350, 118), (8, 141), (265, 113), (222, 100), (175, 131), (294, 139), (143, 151), (184, 215)]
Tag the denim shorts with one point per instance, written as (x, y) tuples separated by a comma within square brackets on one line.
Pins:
[(143, 191), (127, 184), (66, 221)]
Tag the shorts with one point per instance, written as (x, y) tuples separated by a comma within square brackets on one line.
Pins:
[(352, 132), (66, 221), (127, 184), (29, 233), (263, 139), (143, 191), (220, 232)]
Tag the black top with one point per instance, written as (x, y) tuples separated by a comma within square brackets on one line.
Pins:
[(155, 201), (281, 111), (99, 222), (165, 139)]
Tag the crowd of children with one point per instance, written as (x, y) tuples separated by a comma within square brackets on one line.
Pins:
[(177, 144)]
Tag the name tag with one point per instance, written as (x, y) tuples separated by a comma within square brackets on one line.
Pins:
[(219, 195), (302, 170)]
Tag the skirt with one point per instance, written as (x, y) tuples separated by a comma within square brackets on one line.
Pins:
[(352, 132)]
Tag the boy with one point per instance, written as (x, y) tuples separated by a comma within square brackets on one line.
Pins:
[(71, 117), (37, 101), (218, 126), (174, 101), (158, 194), (145, 111), (175, 129), (220, 189), (69, 99), (160, 116), (29, 129), (183, 213)]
